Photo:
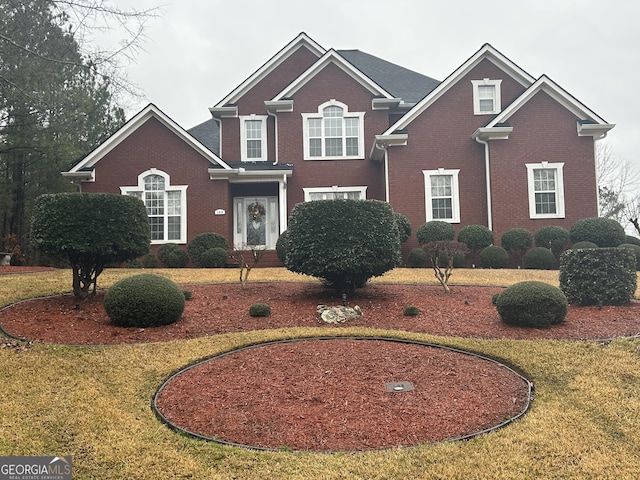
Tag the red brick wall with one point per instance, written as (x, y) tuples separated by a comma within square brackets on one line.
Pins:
[(154, 146), (543, 130)]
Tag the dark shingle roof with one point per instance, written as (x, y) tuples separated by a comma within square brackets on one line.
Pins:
[(208, 134), (398, 81)]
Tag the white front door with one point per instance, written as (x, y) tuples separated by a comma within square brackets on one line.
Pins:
[(256, 222)]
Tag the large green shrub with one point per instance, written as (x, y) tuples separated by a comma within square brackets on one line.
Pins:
[(214, 258), (91, 230), (417, 258), (494, 256), (404, 226), (203, 242), (344, 242), (599, 276), (552, 237), (517, 241), (532, 304), (173, 256), (604, 232), (435, 231), (539, 258), (145, 300)]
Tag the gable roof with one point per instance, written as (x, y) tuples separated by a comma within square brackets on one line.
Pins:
[(301, 41), (208, 134), (401, 82), (485, 52), (83, 170), (332, 57)]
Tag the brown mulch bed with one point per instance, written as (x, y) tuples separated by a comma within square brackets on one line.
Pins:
[(328, 396)]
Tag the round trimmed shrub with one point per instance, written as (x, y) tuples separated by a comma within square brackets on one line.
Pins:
[(458, 259), (583, 244), (517, 241), (410, 311), (145, 300), (539, 258), (604, 232), (214, 258), (494, 298), (417, 258), (552, 237), (173, 256), (494, 257), (203, 242), (532, 304), (475, 237), (631, 239), (149, 261), (404, 226), (259, 310), (435, 231), (636, 251)]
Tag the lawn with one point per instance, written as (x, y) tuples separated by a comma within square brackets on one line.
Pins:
[(93, 403)]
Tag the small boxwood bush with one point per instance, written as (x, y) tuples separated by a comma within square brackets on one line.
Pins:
[(203, 242), (458, 259), (532, 304), (494, 257), (410, 311), (494, 298), (259, 310), (214, 258), (475, 237), (539, 258), (173, 256), (404, 226), (604, 232), (631, 239), (417, 258), (517, 241), (599, 276), (145, 300), (150, 261), (552, 237), (583, 244), (282, 246), (435, 231)]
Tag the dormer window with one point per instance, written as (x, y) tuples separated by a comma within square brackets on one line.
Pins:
[(253, 138), (333, 133), (486, 96)]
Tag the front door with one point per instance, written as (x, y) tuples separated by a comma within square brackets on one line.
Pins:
[(256, 222)]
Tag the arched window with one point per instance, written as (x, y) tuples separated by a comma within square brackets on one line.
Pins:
[(333, 133), (165, 203)]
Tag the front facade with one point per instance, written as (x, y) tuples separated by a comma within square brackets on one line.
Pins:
[(489, 145)]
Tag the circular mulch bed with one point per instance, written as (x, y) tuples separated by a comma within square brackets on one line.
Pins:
[(402, 393), (297, 382)]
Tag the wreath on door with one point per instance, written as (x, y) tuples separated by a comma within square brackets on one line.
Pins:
[(256, 211)]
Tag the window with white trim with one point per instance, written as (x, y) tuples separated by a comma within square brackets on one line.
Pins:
[(546, 190), (442, 197), (486, 96), (335, 192), (333, 133), (253, 138), (166, 205)]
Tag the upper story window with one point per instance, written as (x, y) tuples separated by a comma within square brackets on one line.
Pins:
[(442, 199), (546, 190), (253, 138), (486, 96), (333, 133), (166, 206), (334, 193)]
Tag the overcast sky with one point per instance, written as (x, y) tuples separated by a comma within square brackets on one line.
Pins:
[(197, 51)]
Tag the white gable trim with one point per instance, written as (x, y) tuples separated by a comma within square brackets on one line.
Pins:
[(131, 126), (486, 52), (302, 40), (545, 84), (335, 58)]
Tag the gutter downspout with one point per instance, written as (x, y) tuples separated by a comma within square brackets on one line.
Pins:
[(595, 158), (488, 181), (385, 148), (275, 133)]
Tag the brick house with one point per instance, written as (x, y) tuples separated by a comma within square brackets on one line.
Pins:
[(489, 145)]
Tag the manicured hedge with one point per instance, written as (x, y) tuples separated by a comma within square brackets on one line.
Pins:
[(532, 304)]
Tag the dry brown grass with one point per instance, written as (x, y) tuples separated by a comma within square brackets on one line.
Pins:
[(93, 403)]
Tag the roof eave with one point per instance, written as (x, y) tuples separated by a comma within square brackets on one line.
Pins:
[(230, 111), (595, 130), (492, 133), (382, 142)]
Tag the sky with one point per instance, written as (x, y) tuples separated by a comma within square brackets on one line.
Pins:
[(197, 51)]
